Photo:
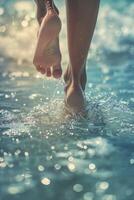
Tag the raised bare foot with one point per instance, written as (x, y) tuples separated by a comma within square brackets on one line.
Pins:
[(47, 57)]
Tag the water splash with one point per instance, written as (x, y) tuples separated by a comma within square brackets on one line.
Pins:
[(44, 151)]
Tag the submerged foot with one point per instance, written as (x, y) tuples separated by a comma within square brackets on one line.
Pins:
[(47, 57)]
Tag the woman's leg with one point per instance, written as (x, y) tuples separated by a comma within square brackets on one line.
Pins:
[(81, 21), (47, 57), (41, 10)]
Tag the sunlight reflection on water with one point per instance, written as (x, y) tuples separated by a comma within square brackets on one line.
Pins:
[(45, 153)]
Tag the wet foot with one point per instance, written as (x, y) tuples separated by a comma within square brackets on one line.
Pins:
[(74, 93), (67, 78), (47, 57), (74, 99)]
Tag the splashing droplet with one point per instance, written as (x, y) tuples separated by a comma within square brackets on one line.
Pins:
[(78, 188), (45, 181)]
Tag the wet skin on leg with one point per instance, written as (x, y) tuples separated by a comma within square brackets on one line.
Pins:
[(47, 57), (81, 21)]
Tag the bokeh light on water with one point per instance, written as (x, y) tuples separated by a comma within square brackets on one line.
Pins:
[(45, 154)]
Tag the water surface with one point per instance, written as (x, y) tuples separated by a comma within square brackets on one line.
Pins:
[(45, 154)]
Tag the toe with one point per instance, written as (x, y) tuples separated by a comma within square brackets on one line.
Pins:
[(38, 67), (48, 72), (43, 71), (57, 72)]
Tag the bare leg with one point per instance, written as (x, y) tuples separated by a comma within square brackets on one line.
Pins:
[(81, 21), (47, 57), (68, 74)]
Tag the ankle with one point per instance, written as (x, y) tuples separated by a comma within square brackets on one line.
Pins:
[(51, 7), (42, 10), (76, 80), (75, 85)]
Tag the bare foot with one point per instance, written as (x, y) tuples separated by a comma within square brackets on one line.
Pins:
[(47, 57), (67, 78), (74, 99), (74, 93)]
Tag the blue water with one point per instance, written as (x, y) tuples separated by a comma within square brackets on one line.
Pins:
[(45, 154)]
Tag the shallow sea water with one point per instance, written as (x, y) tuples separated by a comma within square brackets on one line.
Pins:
[(45, 154)]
